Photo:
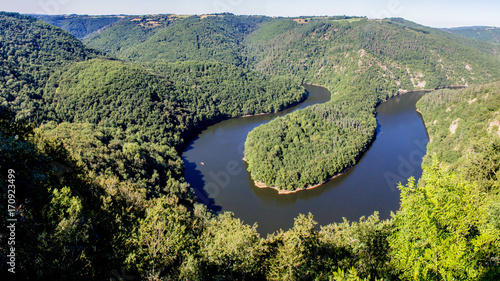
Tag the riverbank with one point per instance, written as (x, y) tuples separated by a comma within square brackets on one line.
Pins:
[(262, 185), (425, 124), (402, 92), (359, 191), (195, 130), (316, 85), (284, 192), (430, 91)]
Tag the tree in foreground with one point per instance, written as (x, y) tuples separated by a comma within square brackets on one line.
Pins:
[(444, 230)]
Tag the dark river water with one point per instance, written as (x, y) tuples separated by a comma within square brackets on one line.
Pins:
[(217, 173)]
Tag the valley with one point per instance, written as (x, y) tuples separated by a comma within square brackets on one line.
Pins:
[(103, 135), (222, 182)]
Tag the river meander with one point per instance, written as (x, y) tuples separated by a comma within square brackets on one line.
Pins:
[(217, 173)]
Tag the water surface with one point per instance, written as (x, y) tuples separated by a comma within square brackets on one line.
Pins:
[(216, 171)]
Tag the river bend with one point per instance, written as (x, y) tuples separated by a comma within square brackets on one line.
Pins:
[(217, 173)]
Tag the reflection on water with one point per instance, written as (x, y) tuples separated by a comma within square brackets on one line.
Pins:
[(223, 182)]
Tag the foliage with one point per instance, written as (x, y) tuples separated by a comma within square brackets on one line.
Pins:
[(80, 26), (99, 184), (213, 90), (161, 237), (463, 128), (112, 152), (230, 249), (294, 255), (54, 206), (361, 247), (482, 33), (443, 229), (30, 51), (104, 107)]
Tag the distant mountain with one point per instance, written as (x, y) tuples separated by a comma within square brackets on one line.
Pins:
[(362, 61), (324, 51), (482, 33), (169, 38), (99, 185), (300, 47), (80, 25)]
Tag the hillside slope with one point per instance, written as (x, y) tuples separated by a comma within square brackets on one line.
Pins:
[(146, 117), (30, 52), (129, 32), (80, 26), (363, 62), (463, 126), (172, 38), (455, 207), (481, 33), (408, 54)]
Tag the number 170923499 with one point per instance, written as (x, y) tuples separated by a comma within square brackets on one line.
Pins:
[(11, 197)]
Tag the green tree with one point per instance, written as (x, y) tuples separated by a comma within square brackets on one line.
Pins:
[(361, 246), (443, 230), (294, 253), (230, 249), (158, 242)]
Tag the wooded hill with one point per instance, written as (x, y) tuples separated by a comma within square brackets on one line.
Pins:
[(79, 25), (482, 33), (99, 185), (31, 50), (463, 127), (361, 61)]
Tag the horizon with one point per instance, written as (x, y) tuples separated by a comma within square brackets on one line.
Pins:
[(437, 14), (291, 17)]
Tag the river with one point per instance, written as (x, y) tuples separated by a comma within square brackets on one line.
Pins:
[(217, 173)]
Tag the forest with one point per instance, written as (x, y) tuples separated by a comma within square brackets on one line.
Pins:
[(361, 79), (94, 137), (481, 33), (284, 152), (31, 50), (464, 127), (80, 26)]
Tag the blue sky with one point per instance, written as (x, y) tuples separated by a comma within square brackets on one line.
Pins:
[(436, 13)]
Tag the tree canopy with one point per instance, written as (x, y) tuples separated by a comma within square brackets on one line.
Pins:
[(95, 142)]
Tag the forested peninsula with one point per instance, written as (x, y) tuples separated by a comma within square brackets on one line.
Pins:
[(304, 149), (91, 136)]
